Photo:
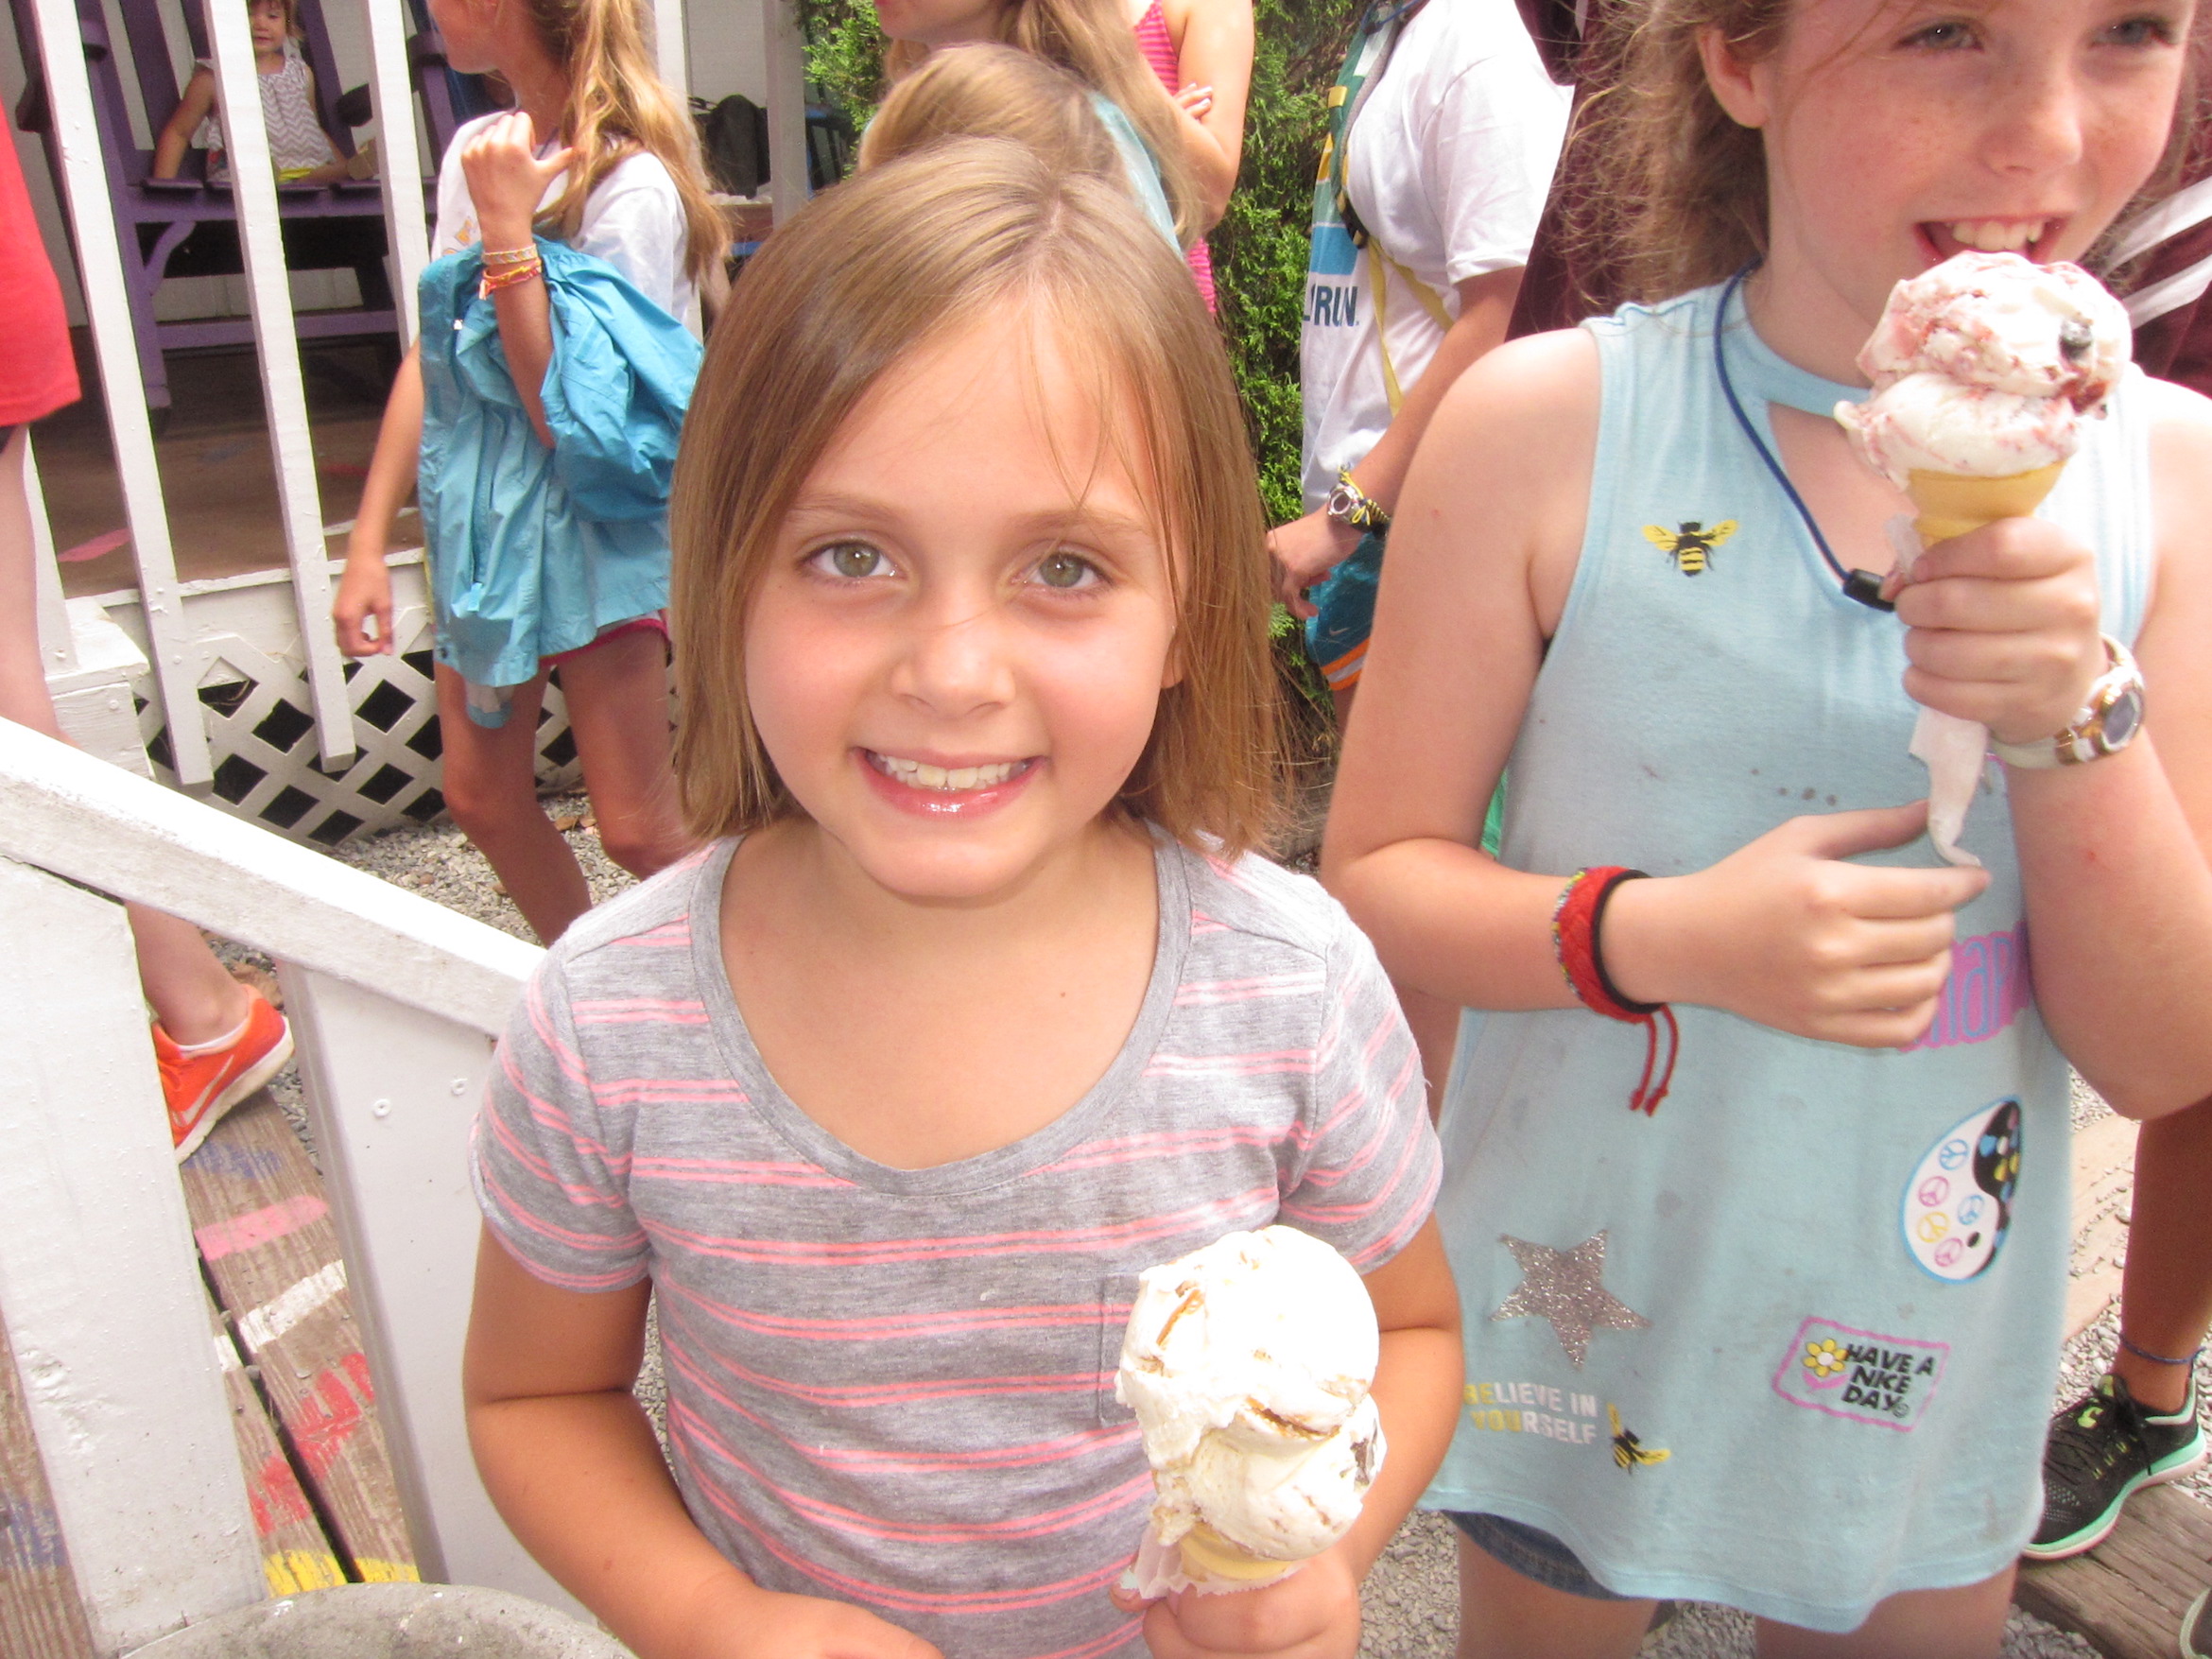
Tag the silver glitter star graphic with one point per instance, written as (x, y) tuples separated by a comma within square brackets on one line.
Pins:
[(1566, 1287)]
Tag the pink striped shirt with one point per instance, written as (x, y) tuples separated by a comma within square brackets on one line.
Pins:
[(895, 1387)]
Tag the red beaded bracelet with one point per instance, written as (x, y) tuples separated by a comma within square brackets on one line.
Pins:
[(1576, 920)]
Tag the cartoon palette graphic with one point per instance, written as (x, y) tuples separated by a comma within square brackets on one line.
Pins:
[(1959, 1199)]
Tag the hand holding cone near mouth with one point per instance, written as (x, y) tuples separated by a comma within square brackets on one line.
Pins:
[(1982, 371)]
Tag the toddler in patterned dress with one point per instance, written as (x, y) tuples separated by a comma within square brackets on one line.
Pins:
[(299, 147)]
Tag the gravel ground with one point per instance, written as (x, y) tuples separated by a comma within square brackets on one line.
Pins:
[(1411, 1598)]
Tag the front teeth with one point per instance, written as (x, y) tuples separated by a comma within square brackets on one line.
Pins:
[(921, 775), (1999, 235)]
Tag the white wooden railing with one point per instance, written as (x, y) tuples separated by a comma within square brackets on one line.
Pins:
[(394, 1001)]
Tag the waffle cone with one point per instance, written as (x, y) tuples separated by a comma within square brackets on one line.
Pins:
[(1952, 503), (1208, 1555)]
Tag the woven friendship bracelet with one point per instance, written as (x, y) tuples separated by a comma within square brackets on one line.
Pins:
[(511, 276), (1576, 924)]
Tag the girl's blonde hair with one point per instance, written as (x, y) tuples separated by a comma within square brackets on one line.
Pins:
[(1677, 197), (1092, 40), (965, 229), (993, 91), (617, 107)]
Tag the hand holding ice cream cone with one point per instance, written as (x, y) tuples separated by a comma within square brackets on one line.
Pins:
[(1983, 370)]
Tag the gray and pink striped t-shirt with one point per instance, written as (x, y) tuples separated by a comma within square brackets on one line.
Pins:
[(895, 1387)]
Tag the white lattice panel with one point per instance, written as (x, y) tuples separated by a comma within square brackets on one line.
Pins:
[(261, 729)]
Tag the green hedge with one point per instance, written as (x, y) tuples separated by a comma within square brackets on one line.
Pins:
[(1259, 246)]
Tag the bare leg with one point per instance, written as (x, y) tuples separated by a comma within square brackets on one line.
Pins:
[(2165, 1290), (618, 713), (1504, 1615), (1966, 1623), (192, 994), (492, 790)]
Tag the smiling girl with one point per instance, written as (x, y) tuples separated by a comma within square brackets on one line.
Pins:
[(978, 1004), (1806, 1304)]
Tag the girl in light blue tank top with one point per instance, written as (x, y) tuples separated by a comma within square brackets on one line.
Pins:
[(1786, 1342)]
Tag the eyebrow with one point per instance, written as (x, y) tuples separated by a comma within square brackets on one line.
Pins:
[(868, 512)]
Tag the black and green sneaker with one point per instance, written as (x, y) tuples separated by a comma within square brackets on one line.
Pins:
[(2103, 1448)]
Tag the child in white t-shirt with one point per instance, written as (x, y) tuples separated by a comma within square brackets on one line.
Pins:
[(1441, 147)]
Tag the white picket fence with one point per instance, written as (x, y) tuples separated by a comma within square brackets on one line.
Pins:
[(394, 1002), (179, 654)]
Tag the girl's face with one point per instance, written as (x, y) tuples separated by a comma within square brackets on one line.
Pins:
[(1900, 131), (268, 25), (939, 23), (956, 653)]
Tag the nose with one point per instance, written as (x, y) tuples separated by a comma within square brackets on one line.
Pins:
[(2035, 116), (959, 658)]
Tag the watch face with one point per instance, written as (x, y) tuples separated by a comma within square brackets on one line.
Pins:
[(2122, 716)]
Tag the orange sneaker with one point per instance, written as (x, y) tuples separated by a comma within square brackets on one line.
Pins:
[(207, 1080)]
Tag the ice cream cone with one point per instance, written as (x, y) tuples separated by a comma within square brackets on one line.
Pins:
[(1208, 1555), (1952, 503)]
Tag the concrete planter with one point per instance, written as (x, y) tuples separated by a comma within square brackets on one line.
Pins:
[(390, 1621)]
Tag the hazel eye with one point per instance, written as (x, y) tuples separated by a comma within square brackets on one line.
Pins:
[(853, 561), (1950, 36), (1065, 571), (2142, 31)]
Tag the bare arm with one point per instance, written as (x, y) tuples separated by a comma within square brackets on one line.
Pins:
[(506, 180), (1307, 549), (177, 131), (365, 589), (2113, 854), (570, 1460), (1212, 52)]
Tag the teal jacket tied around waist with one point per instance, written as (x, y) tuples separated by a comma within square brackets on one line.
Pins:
[(533, 550)]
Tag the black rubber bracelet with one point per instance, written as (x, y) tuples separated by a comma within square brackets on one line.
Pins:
[(1598, 942)]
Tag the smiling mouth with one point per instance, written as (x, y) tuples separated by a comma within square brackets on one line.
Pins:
[(920, 774), (2021, 236)]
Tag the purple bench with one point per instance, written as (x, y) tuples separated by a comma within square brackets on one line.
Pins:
[(185, 227)]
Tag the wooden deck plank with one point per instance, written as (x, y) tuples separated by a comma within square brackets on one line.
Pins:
[(40, 1610), (266, 1234), (295, 1554), (2126, 1596)]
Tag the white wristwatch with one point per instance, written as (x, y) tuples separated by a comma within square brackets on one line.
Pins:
[(2107, 724)]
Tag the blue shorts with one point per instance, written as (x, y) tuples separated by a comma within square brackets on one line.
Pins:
[(1533, 1554), (1345, 600)]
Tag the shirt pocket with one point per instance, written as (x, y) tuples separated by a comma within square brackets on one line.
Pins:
[(1116, 1295)]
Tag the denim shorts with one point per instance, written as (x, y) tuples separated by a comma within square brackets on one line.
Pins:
[(1345, 600), (1533, 1554)]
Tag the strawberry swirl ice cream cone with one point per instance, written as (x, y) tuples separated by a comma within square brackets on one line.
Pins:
[(1983, 370)]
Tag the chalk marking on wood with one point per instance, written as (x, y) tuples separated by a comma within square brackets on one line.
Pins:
[(280, 1313)]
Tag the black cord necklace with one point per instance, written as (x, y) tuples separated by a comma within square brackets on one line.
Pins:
[(1861, 585)]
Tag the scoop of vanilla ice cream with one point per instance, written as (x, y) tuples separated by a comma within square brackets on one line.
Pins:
[(1267, 1336), (1248, 1363), (1289, 1507), (1998, 321)]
